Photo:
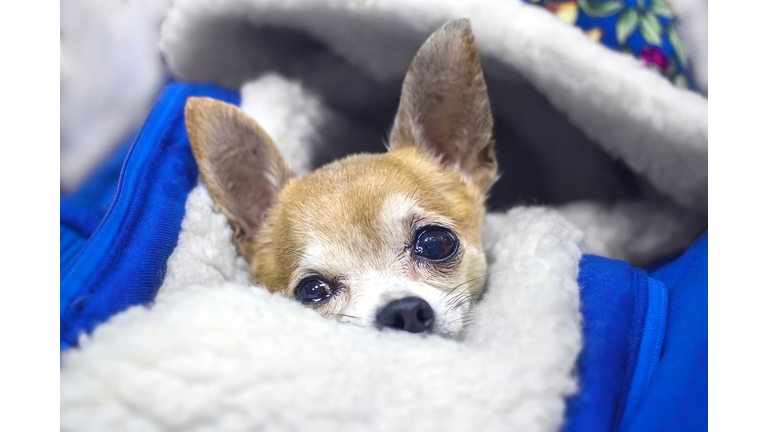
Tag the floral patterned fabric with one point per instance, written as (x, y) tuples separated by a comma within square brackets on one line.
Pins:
[(642, 28)]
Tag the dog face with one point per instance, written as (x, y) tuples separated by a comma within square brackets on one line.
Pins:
[(388, 240)]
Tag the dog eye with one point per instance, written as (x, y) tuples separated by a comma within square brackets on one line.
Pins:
[(313, 292), (436, 243)]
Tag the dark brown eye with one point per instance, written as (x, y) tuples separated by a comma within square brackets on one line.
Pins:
[(313, 291), (435, 243)]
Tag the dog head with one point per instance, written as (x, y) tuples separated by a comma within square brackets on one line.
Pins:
[(388, 240)]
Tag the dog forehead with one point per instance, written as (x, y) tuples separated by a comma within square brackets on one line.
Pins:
[(359, 239), (354, 213), (354, 189)]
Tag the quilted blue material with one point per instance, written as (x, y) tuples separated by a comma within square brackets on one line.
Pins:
[(644, 362)]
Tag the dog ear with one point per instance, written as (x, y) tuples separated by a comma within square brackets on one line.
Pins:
[(444, 105), (239, 163)]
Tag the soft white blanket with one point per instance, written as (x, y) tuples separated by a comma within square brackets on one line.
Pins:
[(220, 355), (354, 54)]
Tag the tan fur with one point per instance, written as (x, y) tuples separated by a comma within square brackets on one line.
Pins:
[(346, 197), (353, 221)]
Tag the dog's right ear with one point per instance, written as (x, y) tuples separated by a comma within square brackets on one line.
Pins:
[(239, 163), (444, 105)]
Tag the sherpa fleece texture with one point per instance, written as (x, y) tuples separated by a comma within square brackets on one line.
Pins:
[(221, 355), (323, 79), (356, 52)]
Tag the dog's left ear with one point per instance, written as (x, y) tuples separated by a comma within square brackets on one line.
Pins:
[(239, 163), (444, 106)]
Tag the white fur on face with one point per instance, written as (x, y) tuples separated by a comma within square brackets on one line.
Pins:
[(374, 291), (374, 267)]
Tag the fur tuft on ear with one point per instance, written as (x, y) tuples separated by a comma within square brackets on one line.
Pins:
[(239, 163), (444, 105)]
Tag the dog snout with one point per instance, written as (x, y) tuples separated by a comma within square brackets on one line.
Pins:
[(412, 314)]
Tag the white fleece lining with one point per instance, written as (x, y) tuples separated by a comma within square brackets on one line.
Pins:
[(659, 130), (224, 356)]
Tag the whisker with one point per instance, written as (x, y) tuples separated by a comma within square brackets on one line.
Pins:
[(457, 298), (462, 303), (463, 293), (466, 282), (344, 315), (465, 321)]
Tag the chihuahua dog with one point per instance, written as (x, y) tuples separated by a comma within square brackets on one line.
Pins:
[(384, 240)]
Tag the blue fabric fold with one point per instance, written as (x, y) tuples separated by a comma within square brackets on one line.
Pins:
[(82, 212), (644, 362), (614, 302), (654, 330), (122, 263), (677, 394)]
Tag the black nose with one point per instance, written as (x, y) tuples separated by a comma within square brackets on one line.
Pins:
[(411, 314)]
